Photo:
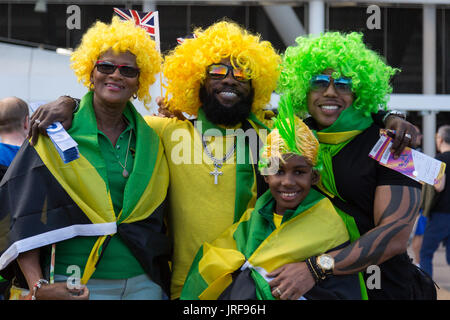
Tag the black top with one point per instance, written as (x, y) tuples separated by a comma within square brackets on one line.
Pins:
[(356, 177), (443, 199), (2, 171)]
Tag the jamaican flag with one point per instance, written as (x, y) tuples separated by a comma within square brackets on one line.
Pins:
[(235, 265), (44, 201)]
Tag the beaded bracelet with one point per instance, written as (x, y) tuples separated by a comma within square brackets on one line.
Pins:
[(76, 101), (37, 286), (312, 270)]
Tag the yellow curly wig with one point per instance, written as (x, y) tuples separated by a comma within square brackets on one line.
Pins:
[(300, 141), (185, 66), (120, 36)]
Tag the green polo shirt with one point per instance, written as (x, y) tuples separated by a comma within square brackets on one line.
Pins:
[(117, 262)]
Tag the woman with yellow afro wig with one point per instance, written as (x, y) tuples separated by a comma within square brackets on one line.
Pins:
[(105, 207), (185, 66), (120, 36)]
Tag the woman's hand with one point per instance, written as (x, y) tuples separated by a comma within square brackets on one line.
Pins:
[(291, 281), (405, 134), (60, 291), (59, 110)]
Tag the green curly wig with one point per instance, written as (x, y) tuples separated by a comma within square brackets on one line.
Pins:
[(290, 136), (120, 36), (348, 56), (185, 66)]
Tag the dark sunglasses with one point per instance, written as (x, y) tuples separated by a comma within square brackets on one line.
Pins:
[(321, 82), (220, 71), (107, 67)]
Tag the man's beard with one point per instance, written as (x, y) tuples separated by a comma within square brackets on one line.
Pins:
[(227, 116)]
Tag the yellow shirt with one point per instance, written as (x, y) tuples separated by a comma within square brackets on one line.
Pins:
[(277, 218), (199, 210)]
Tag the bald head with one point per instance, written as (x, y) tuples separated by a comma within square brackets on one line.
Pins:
[(444, 133), (13, 114), (443, 139)]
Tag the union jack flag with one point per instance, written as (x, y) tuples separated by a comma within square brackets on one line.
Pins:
[(147, 20), (181, 40)]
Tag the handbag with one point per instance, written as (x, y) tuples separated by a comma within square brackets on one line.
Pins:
[(422, 287)]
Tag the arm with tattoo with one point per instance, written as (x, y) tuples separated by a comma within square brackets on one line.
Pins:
[(395, 210)]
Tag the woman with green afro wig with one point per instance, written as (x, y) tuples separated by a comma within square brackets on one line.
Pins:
[(339, 83), (348, 56)]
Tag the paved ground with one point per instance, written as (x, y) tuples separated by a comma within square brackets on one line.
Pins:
[(441, 273)]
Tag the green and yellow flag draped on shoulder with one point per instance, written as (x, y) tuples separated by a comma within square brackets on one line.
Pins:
[(313, 228), (45, 201)]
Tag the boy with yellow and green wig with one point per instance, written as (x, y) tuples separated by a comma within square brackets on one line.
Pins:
[(256, 257)]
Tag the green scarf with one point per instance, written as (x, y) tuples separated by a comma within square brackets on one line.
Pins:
[(245, 172), (349, 124)]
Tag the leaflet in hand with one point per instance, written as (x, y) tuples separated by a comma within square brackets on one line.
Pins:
[(411, 163), (64, 144)]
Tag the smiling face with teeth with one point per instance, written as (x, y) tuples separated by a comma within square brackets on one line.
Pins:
[(227, 91), (326, 106), (114, 89), (291, 184)]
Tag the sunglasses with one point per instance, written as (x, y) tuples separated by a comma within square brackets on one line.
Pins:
[(220, 71), (107, 67), (321, 82)]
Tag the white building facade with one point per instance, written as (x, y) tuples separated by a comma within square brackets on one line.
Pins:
[(412, 35)]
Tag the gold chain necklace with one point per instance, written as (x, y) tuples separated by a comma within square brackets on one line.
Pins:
[(125, 172)]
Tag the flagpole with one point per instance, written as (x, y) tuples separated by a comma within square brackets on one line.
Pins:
[(134, 15), (158, 46)]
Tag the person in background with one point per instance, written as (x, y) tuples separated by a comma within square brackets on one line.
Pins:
[(14, 126), (438, 224), (421, 222)]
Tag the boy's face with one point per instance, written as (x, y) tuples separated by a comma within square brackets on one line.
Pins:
[(291, 184)]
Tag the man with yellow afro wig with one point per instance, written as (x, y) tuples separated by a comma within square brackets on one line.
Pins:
[(225, 77), (185, 66)]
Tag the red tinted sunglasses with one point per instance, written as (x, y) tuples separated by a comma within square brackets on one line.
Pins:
[(220, 71), (107, 67)]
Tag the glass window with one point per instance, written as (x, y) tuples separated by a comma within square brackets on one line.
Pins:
[(404, 48), (173, 23), (260, 23), (442, 51), (338, 20), (4, 20)]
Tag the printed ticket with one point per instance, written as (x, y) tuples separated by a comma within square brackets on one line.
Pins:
[(411, 163), (64, 144)]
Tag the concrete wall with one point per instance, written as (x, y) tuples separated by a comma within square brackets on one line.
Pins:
[(37, 75)]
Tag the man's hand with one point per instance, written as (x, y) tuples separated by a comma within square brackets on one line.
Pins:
[(291, 281), (59, 110), (164, 111), (405, 134)]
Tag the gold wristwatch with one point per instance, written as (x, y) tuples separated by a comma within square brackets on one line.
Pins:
[(326, 263)]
